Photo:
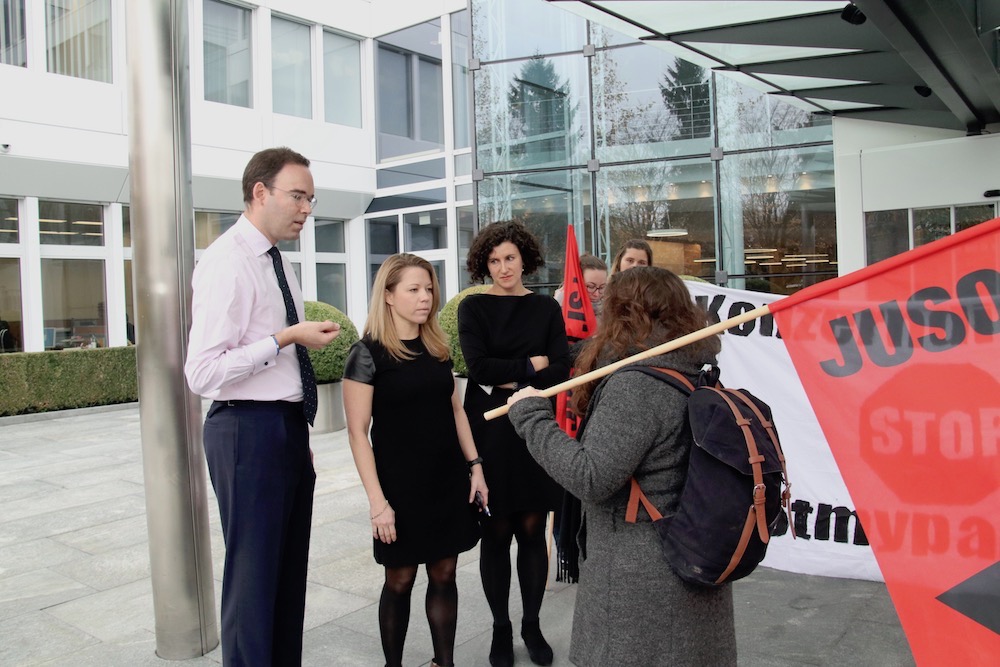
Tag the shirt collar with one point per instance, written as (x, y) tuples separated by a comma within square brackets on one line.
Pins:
[(257, 242)]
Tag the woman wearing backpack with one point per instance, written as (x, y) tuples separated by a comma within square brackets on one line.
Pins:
[(631, 608)]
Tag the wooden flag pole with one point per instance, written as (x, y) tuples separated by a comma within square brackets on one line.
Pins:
[(669, 346)]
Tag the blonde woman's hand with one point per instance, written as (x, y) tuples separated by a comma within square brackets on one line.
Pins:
[(384, 524)]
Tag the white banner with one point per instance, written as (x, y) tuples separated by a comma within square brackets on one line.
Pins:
[(830, 540)]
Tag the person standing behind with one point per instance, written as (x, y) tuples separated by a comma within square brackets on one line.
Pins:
[(635, 252), (595, 279), (631, 609), (511, 337), (247, 352), (420, 469)]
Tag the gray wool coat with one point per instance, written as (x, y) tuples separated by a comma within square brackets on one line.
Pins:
[(631, 609)]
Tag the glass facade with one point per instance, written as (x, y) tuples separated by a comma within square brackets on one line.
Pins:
[(291, 70), (8, 221), (13, 50), (73, 303), (10, 304), (228, 55), (63, 223), (342, 79), (78, 38), (889, 233)]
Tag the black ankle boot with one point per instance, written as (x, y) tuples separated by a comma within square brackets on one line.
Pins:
[(538, 649), (502, 649)]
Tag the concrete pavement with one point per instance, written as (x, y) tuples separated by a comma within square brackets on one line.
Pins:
[(75, 585)]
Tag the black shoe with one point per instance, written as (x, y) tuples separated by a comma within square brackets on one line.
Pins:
[(538, 649), (502, 649)]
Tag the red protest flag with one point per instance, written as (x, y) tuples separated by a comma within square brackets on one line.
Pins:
[(901, 362), (578, 315)]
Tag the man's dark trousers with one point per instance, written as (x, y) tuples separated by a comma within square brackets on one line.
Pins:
[(261, 469)]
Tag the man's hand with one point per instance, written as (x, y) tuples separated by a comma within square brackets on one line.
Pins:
[(313, 335)]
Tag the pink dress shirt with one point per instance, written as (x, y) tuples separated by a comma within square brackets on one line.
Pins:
[(236, 306)]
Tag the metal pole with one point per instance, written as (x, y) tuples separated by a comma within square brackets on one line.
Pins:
[(180, 552)]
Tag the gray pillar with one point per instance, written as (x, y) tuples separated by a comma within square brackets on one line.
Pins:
[(180, 551)]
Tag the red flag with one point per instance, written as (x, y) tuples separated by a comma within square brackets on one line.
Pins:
[(901, 362), (578, 314)]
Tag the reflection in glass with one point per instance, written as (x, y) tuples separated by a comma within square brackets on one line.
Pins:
[(461, 46), (970, 216), (73, 298), (778, 218), (13, 50), (887, 233), (427, 230), (439, 270), (409, 91), (931, 224), (342, 79), (291, 68), (674, 200), (501, 30), (210, 225), (228, 58), (466, 231), (10, 304), (78, 38), (648, 104), (751, 119), (546, 203), (383, 240), (126, 227), (329, 235), (130, 330), (532, 113), (331, 285), (63, 223), (8, 221)]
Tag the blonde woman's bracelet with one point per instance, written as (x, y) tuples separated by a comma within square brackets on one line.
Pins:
[(381, 512)]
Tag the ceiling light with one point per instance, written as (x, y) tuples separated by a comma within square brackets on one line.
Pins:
[(666, 233)]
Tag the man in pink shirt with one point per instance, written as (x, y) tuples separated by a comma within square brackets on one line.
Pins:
[(248, 352)]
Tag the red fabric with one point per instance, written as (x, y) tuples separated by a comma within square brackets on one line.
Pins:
[(578, 314), (901, 362)]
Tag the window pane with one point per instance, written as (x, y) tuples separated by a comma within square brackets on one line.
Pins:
[(10, 305), (409, 96), (427, 230), (532, 113), (12, 48), (8, 221), (331, 285), (466, 232), (887, 233), (439, 269), (383, 240), (228, 58), (73, 298), (751, 119), (546, 203), (648, 104), (342, 79), (930, 224), (461, 46), (210, 225), (329, 236), (126, 226), (511, 34), (970, 216), (129, 304), (291, 70), (62, 223), (78, 38), (778, 218)]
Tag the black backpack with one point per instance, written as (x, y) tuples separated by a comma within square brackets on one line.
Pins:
[(732, 495)]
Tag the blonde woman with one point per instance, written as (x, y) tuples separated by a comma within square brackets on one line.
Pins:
[(420, 468)]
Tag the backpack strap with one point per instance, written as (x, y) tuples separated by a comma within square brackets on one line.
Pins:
[(680, 382), (786, 494)]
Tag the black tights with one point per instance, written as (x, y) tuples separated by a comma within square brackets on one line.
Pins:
[(532, 563), (441, 604)]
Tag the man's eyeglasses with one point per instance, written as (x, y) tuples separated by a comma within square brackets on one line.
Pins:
[(596, 289), (298, 197)]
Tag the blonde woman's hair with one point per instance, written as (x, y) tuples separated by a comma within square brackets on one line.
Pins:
[(379, 325)]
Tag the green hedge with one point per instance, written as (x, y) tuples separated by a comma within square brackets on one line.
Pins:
[(448, 317), (328, 362), (44, 381)]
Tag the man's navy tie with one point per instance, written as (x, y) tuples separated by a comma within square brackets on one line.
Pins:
[(309, 401)]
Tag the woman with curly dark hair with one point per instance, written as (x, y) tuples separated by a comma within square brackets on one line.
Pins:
[(631, 608), (511, 338)]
